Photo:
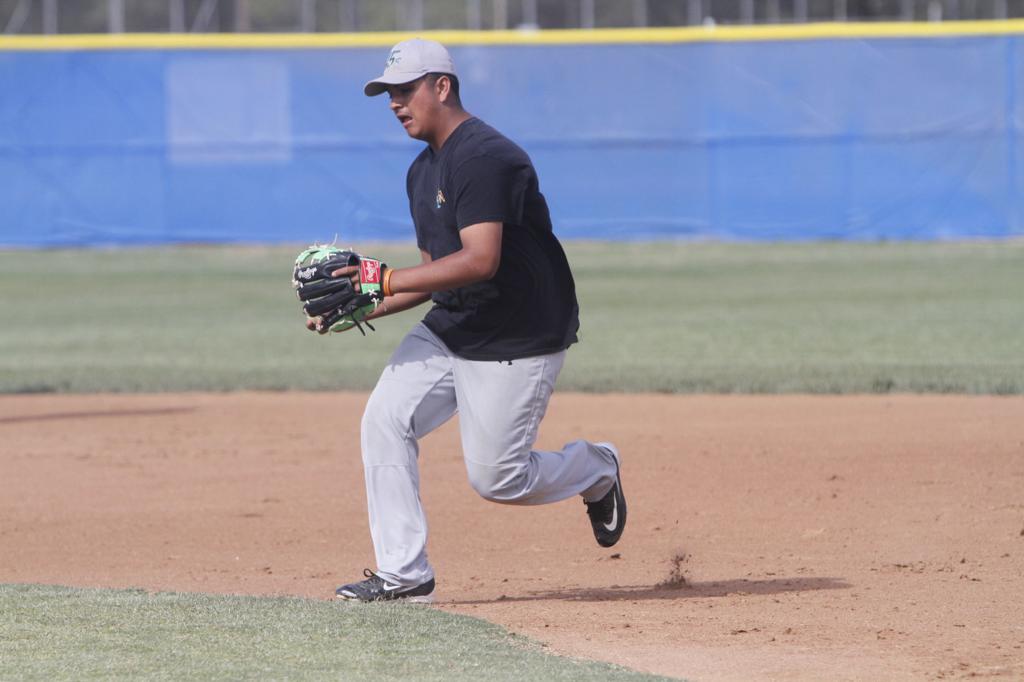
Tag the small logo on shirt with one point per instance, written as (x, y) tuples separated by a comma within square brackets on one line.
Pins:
[(439, 199)]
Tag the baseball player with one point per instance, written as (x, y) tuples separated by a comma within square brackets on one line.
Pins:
[(491, 346)]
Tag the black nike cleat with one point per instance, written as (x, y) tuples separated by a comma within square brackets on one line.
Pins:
[(375, 588), (608, 515)]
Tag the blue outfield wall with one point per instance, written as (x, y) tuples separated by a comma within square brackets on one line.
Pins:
[(850, 138)]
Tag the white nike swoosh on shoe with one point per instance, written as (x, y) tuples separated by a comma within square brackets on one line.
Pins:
[(615, 517), (391, 588)]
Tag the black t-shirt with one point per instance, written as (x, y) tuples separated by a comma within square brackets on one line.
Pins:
[(529, 307)]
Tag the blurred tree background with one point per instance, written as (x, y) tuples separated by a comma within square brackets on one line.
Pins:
[(101, 16)]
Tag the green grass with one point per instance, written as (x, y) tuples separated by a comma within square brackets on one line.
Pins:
[(58, 633), (678, 317)]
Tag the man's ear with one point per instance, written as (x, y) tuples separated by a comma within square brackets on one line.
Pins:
[(443, 87)]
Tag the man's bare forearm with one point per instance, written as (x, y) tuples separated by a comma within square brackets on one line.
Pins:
[(476, 261), (397, 303)]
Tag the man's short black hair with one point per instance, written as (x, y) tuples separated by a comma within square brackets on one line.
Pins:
[(451, 77)]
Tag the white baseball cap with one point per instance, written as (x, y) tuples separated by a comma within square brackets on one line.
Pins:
[(409, 60)]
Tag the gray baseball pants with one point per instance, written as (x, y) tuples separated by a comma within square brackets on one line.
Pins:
[(500, 406)]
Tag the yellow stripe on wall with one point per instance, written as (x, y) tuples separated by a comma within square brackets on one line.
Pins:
[(605, 36)]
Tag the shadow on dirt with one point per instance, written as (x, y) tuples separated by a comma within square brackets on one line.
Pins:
[(692, 590), (90, 414)]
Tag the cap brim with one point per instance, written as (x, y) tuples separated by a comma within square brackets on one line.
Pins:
[(379, 85)]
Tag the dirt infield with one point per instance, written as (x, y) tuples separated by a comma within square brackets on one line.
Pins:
[(775, 537)]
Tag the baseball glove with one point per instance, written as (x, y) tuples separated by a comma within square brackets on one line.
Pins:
[(334, 302)]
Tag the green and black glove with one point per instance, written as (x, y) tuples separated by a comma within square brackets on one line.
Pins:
[(336, 303)]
